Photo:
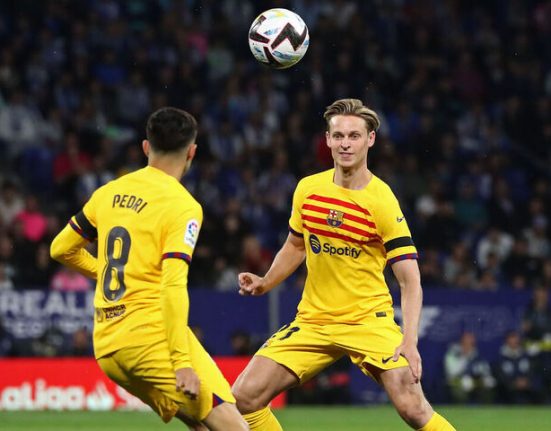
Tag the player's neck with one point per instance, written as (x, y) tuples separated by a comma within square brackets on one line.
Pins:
[(353, 178), (173, 167)]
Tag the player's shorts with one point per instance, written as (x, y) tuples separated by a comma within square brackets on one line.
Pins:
[(146, 372), (307, 348)]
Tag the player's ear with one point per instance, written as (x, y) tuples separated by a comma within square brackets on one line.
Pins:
[(371, 139), (191, 152), (327, 138), (146, 147)]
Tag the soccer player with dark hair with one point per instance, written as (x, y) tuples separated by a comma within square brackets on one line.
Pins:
[(348, 225), (146, 225)]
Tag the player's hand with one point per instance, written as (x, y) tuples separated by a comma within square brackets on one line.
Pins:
[(410, 352), (188, 382), (250, 284)]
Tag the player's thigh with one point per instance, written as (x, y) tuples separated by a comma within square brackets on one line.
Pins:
[(114, 371), (119, 368), (303, 348), (153, 380), (371, 346), (293, 355)]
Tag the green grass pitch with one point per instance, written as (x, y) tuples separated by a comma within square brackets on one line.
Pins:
[(292, 419)]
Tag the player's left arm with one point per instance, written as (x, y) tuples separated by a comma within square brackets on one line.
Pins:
[(408, 276), (401, 255)]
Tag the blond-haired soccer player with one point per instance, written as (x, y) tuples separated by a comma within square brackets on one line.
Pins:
[(146, 225), (348, 225)]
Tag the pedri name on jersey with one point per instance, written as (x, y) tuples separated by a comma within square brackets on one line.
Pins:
[(130, 202)]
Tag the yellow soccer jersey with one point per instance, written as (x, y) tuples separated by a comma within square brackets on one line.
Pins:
[(138, 220), (350, 235)]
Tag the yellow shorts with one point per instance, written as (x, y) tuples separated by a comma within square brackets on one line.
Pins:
[(146, 372), (307, 348)]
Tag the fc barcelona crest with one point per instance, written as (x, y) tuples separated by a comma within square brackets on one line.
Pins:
[(335, 218)]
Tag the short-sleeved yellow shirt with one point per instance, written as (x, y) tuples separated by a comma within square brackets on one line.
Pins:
[(350, 236)]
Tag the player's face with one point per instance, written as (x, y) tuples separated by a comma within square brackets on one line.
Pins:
[(349, 140)]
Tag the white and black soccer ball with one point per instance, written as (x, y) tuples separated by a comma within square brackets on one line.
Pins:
[(278, 38)]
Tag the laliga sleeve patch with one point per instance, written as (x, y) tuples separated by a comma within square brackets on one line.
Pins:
[(192, 232)]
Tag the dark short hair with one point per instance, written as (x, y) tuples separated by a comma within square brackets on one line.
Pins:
[(170, 129)]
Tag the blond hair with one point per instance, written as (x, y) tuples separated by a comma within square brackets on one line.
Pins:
[(353, 107)]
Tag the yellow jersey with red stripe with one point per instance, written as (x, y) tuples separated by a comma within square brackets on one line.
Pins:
[(350, 236), (139, 220)]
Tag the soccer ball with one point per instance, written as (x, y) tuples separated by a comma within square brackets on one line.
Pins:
[(278, 38)]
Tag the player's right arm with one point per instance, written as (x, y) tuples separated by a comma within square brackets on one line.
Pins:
[(287, 260), (68, 247), (182, 230), (175, 306)]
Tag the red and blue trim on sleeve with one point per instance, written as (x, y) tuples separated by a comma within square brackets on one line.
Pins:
[(412, 256), (83, 227), (177, 255), (78, 230)]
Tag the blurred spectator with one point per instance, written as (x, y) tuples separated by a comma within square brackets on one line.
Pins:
[(227, 275), (200, 335), (33, 222), (459, 269), (518, 382), (41, 270), (536, 324), (488, 280), (11, 203), (68, 165), (331, 386), (241, 343), (256, 259), (430, 268), (133, 99), (495, 242), (546, 273), (68, 280), (468, 375), (92, 179), (81, 343), (519, 263), (50, 344), (18, 125), (5, 281), (469, 208), (7, 345), (443, 221), (539, 245), (501, 207), (7, 258)]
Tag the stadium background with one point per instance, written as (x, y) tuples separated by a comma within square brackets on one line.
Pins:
[(464, 92)]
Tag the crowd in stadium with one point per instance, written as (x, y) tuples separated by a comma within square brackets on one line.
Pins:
[(463, 90)]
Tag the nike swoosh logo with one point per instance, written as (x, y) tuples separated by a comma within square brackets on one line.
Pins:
[(399, 219), (385, 360)]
